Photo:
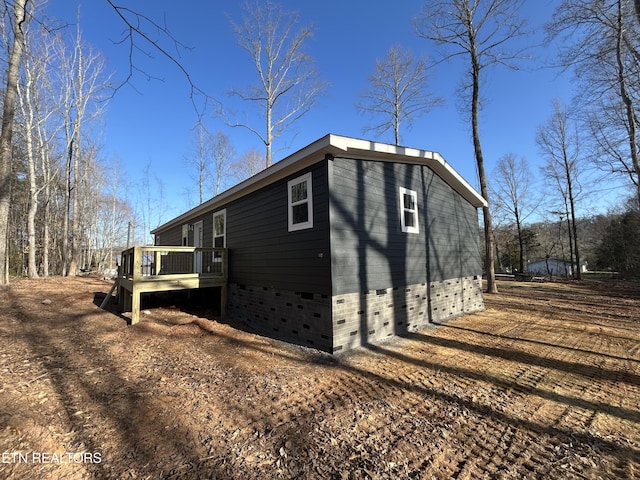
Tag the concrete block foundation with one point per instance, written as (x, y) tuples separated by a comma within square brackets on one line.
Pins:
[(343, 322)]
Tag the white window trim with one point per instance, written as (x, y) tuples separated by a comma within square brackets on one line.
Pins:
[(309, 201), (222, 212), (403, 209)]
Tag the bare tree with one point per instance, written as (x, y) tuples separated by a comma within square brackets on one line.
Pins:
[(479, 30), (559, 143), (288, 84), (247, 165), (143, 35), (398, 92), (20, 17), (210, 160), (198, 160), (601, 42), (223, 152), (82, 81), (512, 191), (37, 132), (113, 215), (151, 205), (105, 216), (47, 131), (27, 97)]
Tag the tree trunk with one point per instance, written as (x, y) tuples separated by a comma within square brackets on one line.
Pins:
[(75, 218), (8, 117), (396, 125), (200, 185), (45, 165), (32, 268), (67, 206), (520, 243), (575, 242), (112, 228), (26, 97), (269, 135), (46, 233), (573, 230), (570, 235), (492, 287)]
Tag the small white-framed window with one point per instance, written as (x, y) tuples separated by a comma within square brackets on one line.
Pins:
[(409, 211), (220, 229), (300, 201), (185, 235)]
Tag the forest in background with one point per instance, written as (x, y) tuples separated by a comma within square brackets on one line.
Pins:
[(68, 212)]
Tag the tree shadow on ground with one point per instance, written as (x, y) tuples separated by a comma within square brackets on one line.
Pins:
[(136, 419), (154, 440)]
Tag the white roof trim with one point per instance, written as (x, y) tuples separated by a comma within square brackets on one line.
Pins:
[(396, 153), (336, 145)]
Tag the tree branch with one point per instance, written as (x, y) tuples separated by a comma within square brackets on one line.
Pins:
[(135, 27)]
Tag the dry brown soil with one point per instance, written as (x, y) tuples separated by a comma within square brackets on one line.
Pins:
[(544, 384)]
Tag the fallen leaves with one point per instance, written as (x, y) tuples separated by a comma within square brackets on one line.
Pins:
[(183, 396)]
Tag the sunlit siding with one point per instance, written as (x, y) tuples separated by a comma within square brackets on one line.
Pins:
[(369, 249)]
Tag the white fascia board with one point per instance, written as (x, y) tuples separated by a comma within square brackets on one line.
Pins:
[(394, 153), (335, 145), (308, 155)]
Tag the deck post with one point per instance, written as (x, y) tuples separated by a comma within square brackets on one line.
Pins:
[(135, 292), (223, 288), (135, 305), (155, 267), (137, 263)]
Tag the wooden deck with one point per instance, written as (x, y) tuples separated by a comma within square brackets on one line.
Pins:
[(166, 268)]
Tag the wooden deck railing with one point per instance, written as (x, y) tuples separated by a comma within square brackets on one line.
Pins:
[(164, 268), (140, 263)]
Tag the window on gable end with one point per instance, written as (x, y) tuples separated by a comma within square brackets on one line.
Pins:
[(300, 203), (409, 211)]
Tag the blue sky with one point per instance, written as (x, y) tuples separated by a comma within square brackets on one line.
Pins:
[(150, 121)]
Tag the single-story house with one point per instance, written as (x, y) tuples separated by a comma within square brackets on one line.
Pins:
[(554, 266), (343, 243)]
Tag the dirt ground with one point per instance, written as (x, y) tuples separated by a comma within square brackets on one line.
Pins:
[(544, 384)]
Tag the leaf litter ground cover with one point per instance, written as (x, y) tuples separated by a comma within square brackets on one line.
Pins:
[(543, 384)]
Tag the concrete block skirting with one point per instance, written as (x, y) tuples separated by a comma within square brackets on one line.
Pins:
[(367, 317), (303, 318), (347, 321)]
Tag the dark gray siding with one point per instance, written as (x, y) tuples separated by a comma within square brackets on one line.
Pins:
[(207, 234), (171, 237), (369, 249), (261, 250)]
